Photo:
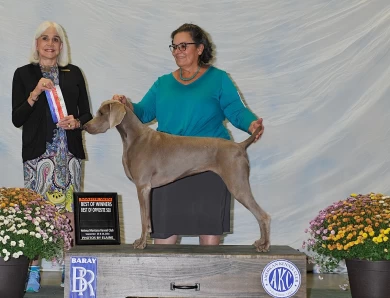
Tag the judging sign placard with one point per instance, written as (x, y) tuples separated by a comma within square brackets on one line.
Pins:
[(96, 218)]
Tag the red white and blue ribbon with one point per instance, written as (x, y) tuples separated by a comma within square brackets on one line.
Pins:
[(56, 103)]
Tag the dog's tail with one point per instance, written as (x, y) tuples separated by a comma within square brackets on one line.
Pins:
[(252, 137)]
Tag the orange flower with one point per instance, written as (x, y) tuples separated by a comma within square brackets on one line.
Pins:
[(357, 227)]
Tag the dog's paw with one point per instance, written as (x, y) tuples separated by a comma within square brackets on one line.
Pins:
[(262, 245), (139, 244)]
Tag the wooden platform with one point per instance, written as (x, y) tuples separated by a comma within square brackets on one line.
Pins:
[(215, 271)]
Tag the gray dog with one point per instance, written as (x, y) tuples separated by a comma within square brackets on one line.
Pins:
[(152, 158)]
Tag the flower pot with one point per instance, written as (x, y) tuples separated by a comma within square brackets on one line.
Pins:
[(13, 276), (369, 279)]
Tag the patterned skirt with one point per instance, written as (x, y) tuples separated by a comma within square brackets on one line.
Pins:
[(56, 174)]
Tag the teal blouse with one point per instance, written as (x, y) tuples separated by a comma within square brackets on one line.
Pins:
[(197, 109)]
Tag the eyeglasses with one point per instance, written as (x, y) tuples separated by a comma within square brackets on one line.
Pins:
[(181, 46)]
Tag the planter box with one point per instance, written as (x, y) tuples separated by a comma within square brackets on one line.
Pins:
[(208, 271)]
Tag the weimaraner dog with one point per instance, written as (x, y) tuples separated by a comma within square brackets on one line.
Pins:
[(152, 158)]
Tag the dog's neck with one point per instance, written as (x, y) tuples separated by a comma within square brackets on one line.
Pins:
[(131, 127)]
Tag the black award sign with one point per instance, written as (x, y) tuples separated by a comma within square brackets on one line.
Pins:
[(96, 218)]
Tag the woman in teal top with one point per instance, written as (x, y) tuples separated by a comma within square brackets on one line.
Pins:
[(194, 100), (195, 109)]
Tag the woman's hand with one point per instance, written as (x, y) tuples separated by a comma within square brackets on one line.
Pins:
[(69, 123), (254, 125), (43, 84), (122, 99)]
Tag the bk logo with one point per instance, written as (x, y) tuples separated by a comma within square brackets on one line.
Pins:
[(281, 279)]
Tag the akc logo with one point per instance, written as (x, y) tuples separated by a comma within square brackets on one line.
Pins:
[(281, 279)]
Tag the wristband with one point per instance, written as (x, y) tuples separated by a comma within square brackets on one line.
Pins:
[(34, 100), (79, 122)]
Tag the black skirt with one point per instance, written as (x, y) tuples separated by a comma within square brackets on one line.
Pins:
[(194, 205)]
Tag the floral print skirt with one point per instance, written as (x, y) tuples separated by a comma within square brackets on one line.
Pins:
[(56, 174)]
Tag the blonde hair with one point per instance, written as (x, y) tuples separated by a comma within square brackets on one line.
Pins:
[(63, 57)]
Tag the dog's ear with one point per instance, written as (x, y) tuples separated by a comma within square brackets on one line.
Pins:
[(117, 113)]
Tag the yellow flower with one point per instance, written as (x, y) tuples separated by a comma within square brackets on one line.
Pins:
[(349, 223)]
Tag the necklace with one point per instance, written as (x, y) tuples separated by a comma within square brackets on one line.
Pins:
[(191, 77), (47, 68)]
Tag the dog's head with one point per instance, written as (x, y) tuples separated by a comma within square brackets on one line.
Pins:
[(109, 115)]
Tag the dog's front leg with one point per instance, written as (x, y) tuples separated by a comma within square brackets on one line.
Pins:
[(144, 204)]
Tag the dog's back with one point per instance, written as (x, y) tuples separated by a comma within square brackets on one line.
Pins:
[(152, 159)]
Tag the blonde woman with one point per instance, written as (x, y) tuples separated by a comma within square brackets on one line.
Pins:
[(52, 148)]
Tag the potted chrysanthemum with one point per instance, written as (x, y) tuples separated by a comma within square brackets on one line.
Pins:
[(355, 230), (30, 226)]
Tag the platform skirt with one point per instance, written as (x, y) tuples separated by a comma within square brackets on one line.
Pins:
[(194, 205)]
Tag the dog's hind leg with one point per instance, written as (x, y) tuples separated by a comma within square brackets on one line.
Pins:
[(240, 189), (144, 193)]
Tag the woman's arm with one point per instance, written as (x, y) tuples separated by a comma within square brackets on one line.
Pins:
[(83, 102), (233, 107), (21, 104), (146, 108), (235, 110)]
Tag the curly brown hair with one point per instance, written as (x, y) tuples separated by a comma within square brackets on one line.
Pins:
[(199, 36)]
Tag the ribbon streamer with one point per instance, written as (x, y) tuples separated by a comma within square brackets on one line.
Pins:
[(56, 103)]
